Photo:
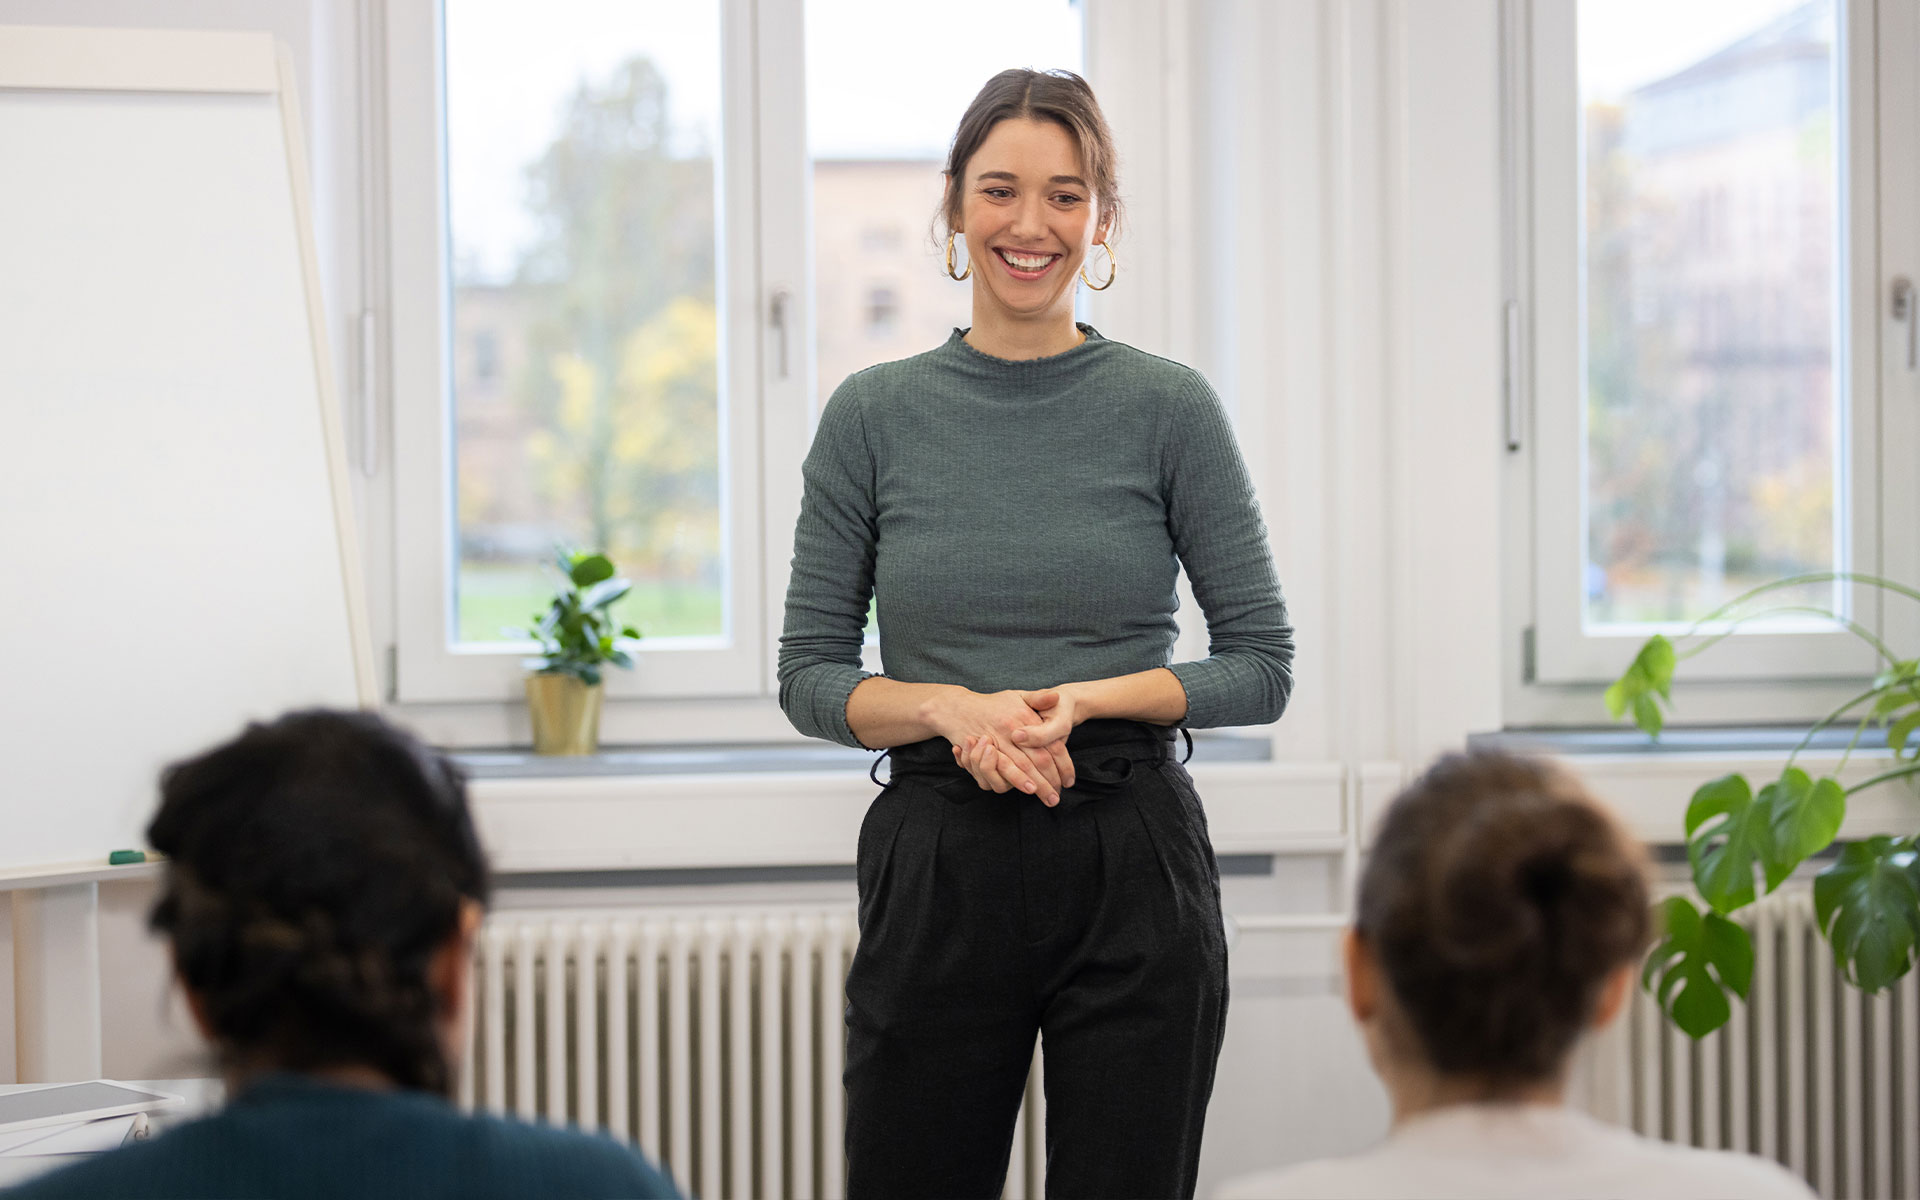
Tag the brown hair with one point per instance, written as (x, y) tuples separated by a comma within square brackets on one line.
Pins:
[(1498, 898), (315, 864), (1058, 96)]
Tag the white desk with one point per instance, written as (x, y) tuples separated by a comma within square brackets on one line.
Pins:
[(201, 1096)]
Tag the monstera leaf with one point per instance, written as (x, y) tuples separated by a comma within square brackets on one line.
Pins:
[(1868, 899), (1729, 833), (1650, 675), (1804, 815), (1697, 961), (1868, 903)]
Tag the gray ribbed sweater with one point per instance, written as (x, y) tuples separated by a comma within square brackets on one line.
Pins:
[(1018, 522)]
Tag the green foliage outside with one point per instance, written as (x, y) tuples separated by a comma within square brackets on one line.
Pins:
[(625, 338), (1743, 843), (620, 380), (495, 598)]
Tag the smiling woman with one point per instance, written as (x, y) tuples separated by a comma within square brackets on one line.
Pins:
[(1019, 501), (1031, 184)]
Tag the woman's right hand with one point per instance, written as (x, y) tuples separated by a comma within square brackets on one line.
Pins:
[(980, 727)]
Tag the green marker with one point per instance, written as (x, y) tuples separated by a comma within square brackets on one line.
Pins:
[(120, 858)]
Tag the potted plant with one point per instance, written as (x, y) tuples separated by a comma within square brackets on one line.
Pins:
[(1866, 901), (577, 637)]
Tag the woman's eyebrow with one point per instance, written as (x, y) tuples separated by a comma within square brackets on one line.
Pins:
[(1011, 177)]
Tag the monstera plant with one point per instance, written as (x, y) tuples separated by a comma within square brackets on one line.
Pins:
[(1744, 842)]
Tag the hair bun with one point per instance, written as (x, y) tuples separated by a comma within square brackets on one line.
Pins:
[(1498, 898)]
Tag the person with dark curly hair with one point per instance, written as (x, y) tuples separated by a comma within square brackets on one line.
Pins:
[(323, 887), (1502, 914)]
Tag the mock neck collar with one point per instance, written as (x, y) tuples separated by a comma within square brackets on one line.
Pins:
[(973, 360)]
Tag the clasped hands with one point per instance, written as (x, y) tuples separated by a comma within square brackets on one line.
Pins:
[(1015, 740)]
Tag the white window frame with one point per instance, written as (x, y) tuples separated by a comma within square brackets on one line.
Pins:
[(682, 690), (1554, 669), (427, 667)]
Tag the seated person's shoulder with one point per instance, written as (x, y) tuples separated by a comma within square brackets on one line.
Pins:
[(394, 1146), (1690, 1172), (1327, 1179), (565, 1162), (100, 1177)]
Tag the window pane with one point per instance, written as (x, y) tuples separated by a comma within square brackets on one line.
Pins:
[(582, 144), (886, 85), (1712, 258)]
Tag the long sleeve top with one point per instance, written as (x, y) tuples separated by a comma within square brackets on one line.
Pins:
[(296, 1137), (1531, 1151), (1019, 524)]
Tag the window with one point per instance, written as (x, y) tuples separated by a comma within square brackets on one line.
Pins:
[(581, 190), (1712, 447), (632, 251), (883, 312), (877, 167), (1698, 232)]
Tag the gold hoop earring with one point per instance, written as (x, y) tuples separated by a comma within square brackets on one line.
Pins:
[(1113, 268), (950, 275)]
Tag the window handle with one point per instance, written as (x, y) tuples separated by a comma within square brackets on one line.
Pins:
[(1903, 311), (778, 308)]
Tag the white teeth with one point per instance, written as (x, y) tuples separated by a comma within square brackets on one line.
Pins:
[(1026, 262)]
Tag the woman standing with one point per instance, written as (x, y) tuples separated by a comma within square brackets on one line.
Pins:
[(1017, 501)]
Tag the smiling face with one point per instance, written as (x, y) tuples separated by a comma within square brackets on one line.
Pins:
[(1029, 215)]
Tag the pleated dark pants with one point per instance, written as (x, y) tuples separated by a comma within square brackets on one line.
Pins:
[(987, 919)]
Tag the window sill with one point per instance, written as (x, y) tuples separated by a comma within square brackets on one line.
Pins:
[(1621, 739), (742, 806), (1650, 783), (753, 758)]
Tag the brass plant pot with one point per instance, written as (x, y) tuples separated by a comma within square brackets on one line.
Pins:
[(566, 714)]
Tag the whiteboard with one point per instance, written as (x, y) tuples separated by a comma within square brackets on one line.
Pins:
[(177, 553)]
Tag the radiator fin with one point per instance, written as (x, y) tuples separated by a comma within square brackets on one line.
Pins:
[(1810, 1072), (713, 1040)]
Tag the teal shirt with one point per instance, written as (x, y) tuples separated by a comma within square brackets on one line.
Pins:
[(1021, 525), (290, 1137)]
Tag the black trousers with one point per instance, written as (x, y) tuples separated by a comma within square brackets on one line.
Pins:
[(987, 919)]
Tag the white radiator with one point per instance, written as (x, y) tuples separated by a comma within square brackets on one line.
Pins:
[(713, 1039), (1810, 1072)]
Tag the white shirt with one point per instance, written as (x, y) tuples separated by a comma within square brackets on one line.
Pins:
[(1536, 1151)]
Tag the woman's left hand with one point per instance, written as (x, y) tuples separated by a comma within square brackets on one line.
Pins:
[(1062, 713), (1045, 744)]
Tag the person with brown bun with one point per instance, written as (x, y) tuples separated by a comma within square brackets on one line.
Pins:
[(1019, 502), (322, 890), (1502, 914)]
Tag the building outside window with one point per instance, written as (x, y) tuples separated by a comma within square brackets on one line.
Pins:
[(1695, 242)]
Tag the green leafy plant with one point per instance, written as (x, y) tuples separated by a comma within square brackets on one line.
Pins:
[(577, 633), (1742, 844)]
